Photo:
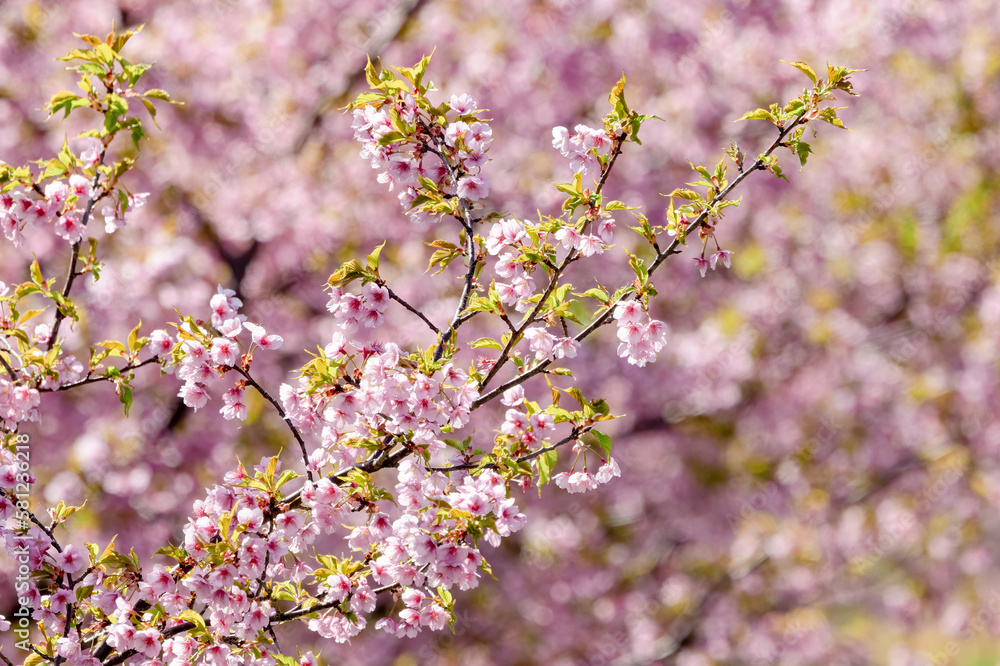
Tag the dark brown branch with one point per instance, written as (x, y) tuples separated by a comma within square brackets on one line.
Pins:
[(376, 44), (409, 307), (284, 417)]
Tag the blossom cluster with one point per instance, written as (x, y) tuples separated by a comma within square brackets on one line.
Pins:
[(641, 336), (381, 397), (206, 357), (64, 203), (18, 403), (511, 234), (704, 264), (582, 481), (582, 148), (352, 310), (451, 157)]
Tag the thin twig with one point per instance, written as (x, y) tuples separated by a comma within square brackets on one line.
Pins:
[(572, 437), (95, 380), (409, 307), (6, 365), (284, 417)]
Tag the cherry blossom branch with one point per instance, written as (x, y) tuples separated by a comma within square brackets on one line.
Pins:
[(380, 459), (95, 380), (470, 249), (296, 613), (605, 316), (572, 437), (531, 318), (47, 530), (758, 165), (463, 301), (284, 417), (72, 273)]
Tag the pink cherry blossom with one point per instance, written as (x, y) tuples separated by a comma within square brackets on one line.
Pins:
[(724, 257), (473, 188)]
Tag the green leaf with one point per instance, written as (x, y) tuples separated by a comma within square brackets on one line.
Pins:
[(489, 343), (373, 258), (33, 659), (113, 345), (795, 107), (105, 53), (759, 114), (684, 193), (391, 138), (617, 99), (830, 115), (122, 39), (577, 395), (134, 72), (26, 289), (443, 256), (597, 293), (28, 316), (638, 267), (272, 467), (802, 149), (194, 617), (36, 273), (133, 336), (348, 272), (838, 77), (367, 98), (125, 396), (53, 169), (576, 187), (152, 111), (65, 101), (415, 74), (80, 54), (545, 463), (804, 68), (480, 304), (603, 440), (372, 76), (285, 477), (157, 93)]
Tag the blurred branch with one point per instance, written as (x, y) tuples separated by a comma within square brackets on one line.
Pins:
[(688, 630), (375, 44)]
